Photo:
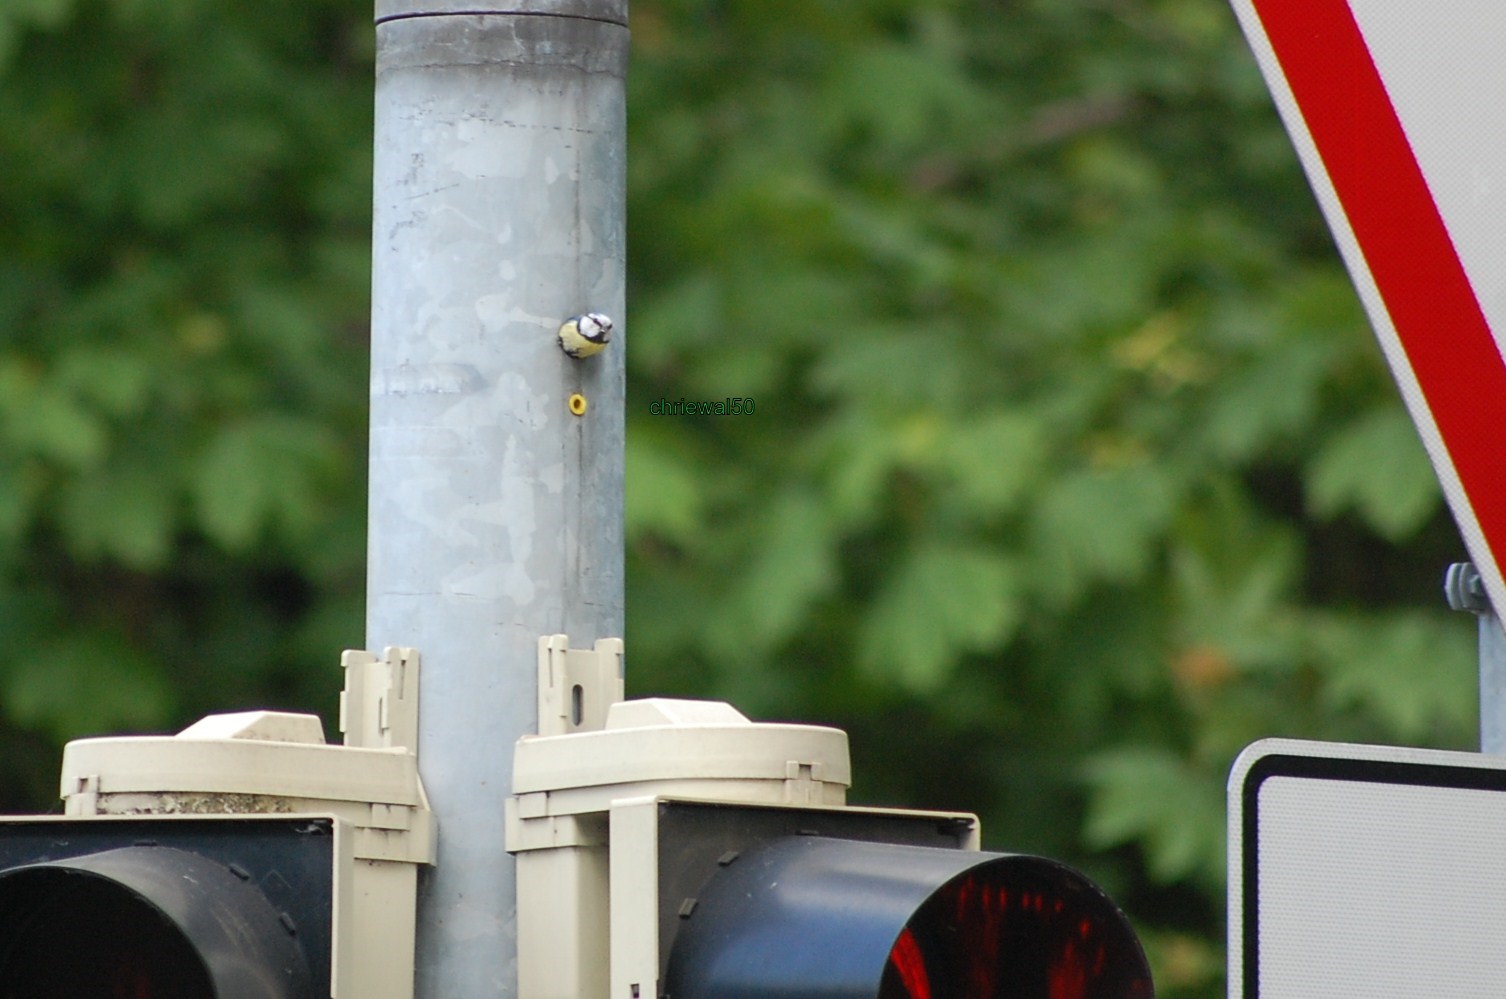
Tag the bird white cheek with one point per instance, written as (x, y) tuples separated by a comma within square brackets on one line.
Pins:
[(575, 336)]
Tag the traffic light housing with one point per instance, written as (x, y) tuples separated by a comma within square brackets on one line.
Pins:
[(242, 858), (675, 850)]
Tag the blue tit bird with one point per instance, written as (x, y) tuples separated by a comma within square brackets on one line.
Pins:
[(582, 336)]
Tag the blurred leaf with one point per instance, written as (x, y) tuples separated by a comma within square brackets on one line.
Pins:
[(84, 682), (1416, 673), (1149, 796), (898, 367), (1274, 397), (995, 458), (125, 513), (1091, 524), (38, 416), (1376, 466), (897, 92), (1234, 581), (662, 494), (1182, 962), (260, 471), (791, 566), (21, 484), (113, 379), (17, 15), (943, 600)]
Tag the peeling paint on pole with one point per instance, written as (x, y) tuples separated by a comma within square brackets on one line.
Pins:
[(496, 512)]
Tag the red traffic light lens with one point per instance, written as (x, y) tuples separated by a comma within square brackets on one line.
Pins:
[(1023, 929), (810, 917)]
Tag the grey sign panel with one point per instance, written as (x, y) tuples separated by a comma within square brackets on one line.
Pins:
[(1366, 872)]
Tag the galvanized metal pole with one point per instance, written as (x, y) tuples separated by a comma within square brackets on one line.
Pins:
[(496, 511), (1465, 591)]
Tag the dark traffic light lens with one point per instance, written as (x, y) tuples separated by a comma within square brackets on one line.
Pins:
[(87, 938), (1018, 928), (144, 922)]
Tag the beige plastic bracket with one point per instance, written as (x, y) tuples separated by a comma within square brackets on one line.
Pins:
[(577, 686), (633, 899), (379, 705)]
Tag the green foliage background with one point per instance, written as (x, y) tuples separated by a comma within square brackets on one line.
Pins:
[(1074, 467)]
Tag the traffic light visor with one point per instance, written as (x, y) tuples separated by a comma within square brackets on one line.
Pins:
[(806, 917), (143, 922)]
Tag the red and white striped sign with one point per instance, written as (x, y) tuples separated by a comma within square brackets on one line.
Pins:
[(1398, 111)]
